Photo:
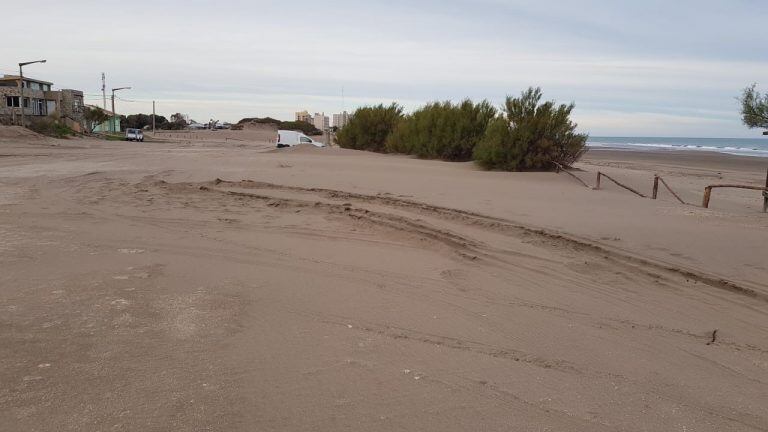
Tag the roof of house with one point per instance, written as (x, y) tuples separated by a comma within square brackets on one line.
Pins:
[(106, 111), (16, 78)]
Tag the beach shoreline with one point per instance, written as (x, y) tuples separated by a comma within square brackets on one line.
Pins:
[(753, 147), (690, 158)]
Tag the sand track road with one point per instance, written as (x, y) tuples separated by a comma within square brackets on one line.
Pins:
[(245, 305)]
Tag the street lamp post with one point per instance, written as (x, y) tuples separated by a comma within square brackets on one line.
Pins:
[(114, 114), (21, 86)]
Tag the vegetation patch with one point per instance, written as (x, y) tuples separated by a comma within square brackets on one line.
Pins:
[(527, 134), (370, 128), (299, 126), (51, 127), (442, 130)]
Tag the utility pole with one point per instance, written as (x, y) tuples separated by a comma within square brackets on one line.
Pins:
[(21, 87), (21, 94), (114, 114), (112, 122), (104, 90), (153, 118)]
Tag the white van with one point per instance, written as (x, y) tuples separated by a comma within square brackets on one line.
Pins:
[(286, 138), (134, 135)]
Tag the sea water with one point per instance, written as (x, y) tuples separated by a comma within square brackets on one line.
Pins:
[(735, 146)]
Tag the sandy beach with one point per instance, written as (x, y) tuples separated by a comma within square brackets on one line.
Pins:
[(212, 282)]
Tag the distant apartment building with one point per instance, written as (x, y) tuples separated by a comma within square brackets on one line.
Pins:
[(39, 101), (304, 116), (340, 120), (321, 121)]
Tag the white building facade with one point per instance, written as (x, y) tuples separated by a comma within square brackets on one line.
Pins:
[(341, 120), (321, 121)]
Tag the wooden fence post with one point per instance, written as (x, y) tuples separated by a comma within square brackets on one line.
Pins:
[(765, 193), (707, 193), (597, 186), (655, 186)]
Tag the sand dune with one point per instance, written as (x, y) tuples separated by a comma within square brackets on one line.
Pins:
[(199, 284)]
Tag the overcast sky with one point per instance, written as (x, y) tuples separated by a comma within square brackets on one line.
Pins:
[(633, 68)]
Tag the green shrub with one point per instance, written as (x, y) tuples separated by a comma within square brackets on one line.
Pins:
[(369, 127), (140, 121), (754, 108), (265, 120), (531, 137), (442, 130), (300, 126), (51, 127)]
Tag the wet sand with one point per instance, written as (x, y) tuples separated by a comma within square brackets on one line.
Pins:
[(220, 284)]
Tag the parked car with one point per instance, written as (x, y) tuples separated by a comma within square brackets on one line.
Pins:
[(134, 135), (287, 138)]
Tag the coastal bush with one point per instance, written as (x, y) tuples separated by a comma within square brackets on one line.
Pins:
[(530, 136), (442, 130), (140, 121), (754, 108), (370, 127), (178, 121), (265, 120), (300, 126), (51, 127)]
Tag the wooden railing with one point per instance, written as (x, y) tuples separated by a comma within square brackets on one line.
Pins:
[(658, 179)]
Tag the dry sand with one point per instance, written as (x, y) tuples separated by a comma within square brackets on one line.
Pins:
[(335, 290)]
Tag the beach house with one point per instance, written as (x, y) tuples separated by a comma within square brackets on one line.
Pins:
[(39, 100)]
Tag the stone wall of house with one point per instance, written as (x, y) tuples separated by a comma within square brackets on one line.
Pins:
[(68, 104), (11, 114), (71, 104)]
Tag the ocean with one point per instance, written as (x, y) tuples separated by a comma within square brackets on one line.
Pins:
[(757, 147)]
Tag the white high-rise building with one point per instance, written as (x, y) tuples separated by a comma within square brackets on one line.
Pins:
[(340, 120), (321, 121)]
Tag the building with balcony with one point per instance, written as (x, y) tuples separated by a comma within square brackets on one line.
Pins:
[(39, 100), (304, 116)]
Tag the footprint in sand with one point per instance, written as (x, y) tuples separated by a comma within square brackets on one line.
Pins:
[(131, 251)]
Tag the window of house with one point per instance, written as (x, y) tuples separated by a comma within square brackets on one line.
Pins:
[(12, 101), (26, 102)]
